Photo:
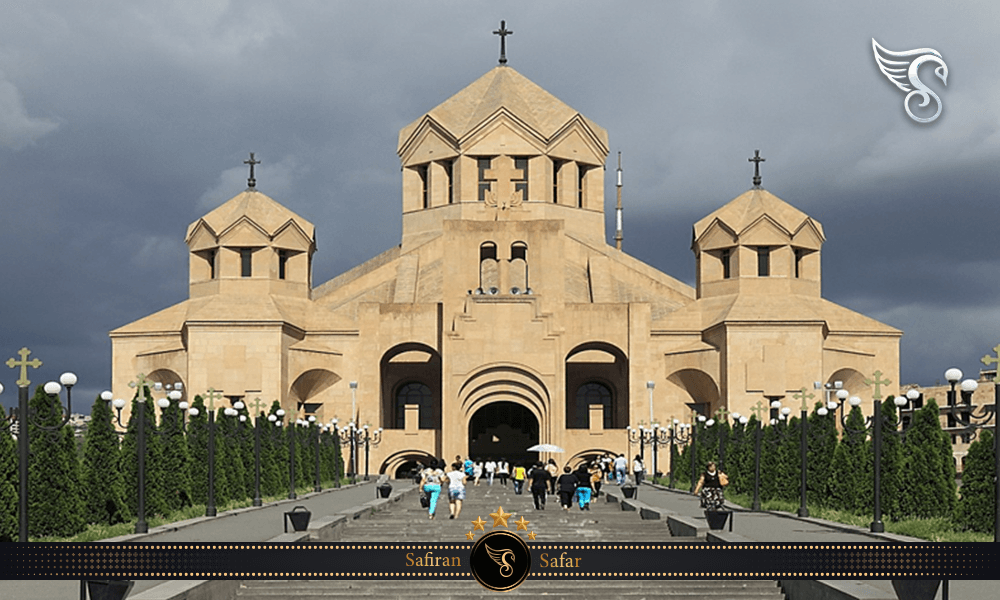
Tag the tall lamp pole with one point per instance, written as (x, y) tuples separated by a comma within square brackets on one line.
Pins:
[(257, 403), (371, 439), (52, 388), (973, 421)]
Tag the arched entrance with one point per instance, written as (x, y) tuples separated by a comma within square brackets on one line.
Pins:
[(503, 429)]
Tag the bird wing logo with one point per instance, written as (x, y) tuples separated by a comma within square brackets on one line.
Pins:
[(902, 69), (500, 558)]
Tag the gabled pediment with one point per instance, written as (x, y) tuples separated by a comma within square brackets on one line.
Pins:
[(429, 141), (717, 236), (503, 133), (576, 140), (201, 237), (291, 237), (808, 235), (244, 232), (764, 231)]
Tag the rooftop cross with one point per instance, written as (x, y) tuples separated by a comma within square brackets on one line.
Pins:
[(756, 160), (503, 32), (24, 363), (251, 183)]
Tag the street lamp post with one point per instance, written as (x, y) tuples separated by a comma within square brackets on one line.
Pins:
[(875, 424), (371, 439), (257, 500), (973, 421), (52, 388), (673, 437), (759, 409), (348, 435)]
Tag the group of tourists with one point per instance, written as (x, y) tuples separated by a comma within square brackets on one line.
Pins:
[(581, 486)]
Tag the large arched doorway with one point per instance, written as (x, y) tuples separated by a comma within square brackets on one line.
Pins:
[(503, 429)]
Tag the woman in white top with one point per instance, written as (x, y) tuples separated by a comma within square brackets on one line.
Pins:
[(503, 469), (477, 470), (638, 469), (456, 489), (430, 482)]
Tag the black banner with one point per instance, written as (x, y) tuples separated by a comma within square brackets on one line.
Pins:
[(452, 561)]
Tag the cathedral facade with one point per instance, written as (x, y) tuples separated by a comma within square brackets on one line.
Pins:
[(503, 319)]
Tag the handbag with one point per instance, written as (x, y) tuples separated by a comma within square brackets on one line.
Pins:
[(425, 501), (723, 479)]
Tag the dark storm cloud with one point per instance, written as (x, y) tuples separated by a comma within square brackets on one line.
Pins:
[(122, 123)]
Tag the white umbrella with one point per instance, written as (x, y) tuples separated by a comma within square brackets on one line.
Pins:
[(545, 448)]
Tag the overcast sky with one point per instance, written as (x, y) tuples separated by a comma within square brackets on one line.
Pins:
[(123, 122)]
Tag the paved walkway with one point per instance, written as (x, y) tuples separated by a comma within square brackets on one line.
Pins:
[(243, 525), (259, 524)]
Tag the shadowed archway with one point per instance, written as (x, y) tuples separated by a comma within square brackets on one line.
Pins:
[(503, 429)]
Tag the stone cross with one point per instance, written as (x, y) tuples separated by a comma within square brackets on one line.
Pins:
[(722, 414), (802, 395), (24, 363), (251, 183), (878, 381), (758, 410), (505, 195), (212, 395), (987, 360), (756, 160), (503, 32), (140, 385)]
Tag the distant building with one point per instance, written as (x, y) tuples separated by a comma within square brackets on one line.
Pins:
[(985, 395), (504, 318)]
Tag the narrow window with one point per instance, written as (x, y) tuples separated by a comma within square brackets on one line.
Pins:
[(763, 261), (211, 263), (799, 253), (726, 257), (489, 275), (246, 262), (282, 263), (555, 180), (521, 183), (448, 169), (424, 192), (581, 173), (485, 185)]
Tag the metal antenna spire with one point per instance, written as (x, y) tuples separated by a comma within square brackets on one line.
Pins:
[(503, 32), (618, 209)]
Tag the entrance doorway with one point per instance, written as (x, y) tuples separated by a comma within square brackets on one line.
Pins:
[(503, 429)]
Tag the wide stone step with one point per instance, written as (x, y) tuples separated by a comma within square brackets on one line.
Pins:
[(456, 590)]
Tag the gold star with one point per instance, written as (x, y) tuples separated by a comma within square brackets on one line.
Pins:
[(522, 524), (531, 535), (500, 517), (469, 535), (479, 524)]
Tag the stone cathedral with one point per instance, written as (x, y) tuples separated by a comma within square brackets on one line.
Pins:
[(503, 318)]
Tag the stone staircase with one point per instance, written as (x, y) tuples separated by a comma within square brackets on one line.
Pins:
[(406, 521)]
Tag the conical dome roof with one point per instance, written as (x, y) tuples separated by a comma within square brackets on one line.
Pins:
[(502, 87), (252, 205), (749, 207)]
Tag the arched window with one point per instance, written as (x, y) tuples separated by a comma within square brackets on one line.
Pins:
[(589, 394), (489, 271), (419, 394), (519, 267)]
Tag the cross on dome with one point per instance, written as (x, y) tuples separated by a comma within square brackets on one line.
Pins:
[(503, 32)]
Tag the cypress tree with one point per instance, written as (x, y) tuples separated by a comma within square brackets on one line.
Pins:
[(929, 486), (270, 476), (176, 459), (851, 467), (103, 482), (740, 459), (770, 461), (227, 434), (788, 477), (55, 506), (976, 509), (223, 467), (822, 445), (197, 439), (8, 488), (892, 462), (154, 473)]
